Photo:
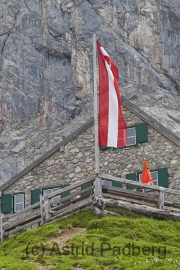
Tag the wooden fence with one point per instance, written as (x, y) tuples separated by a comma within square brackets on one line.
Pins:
[(79, 196), (163, 202), (160, 201)]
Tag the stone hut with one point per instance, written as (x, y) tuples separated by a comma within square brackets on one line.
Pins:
[(72, 160)]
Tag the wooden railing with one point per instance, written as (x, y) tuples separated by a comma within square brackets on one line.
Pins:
[(46, 210), (19, 221), (70, 203), (159, 197)]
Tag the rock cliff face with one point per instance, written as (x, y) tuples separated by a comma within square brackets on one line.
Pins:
[(46, 72)]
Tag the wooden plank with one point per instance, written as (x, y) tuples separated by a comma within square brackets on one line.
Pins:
[(4, 219), (64, 215), (131, 200), (146, 196), (71, 187), (20, 228), (130, 192), (172, 202), (18, 222), (143, 209), (47, 207), (73, 201), (98, 187), (1, 227), (42, 209), (72, 207), (161, 198), (21, 222), (14, 218), (70, 197), (23, 211), (171, 209)]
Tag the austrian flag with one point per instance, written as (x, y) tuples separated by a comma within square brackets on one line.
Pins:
[(112, 126)]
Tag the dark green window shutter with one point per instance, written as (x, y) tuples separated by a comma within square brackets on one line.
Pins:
[(131, 176), (67, 193), (6, 203), (35, 196), (141, 133), (116, 184), (163, 177), (86, 186)]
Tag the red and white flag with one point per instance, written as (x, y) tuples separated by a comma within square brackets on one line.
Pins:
[(112, 126)]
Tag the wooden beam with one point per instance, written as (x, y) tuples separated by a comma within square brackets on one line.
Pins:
[(137, 184), (22, 220), (72, 202), (98, 187), (1, 227), (127, 192), (161, 198), (19, 228), (47, 207), (152, 203), (42, 208), (30, 207), (171, 209), (131, 198), (72, 207), (129, 182), (73, 196), (71, 187), (172, 202), (143, 209)]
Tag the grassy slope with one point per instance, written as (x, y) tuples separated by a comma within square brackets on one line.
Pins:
[(156, 241)]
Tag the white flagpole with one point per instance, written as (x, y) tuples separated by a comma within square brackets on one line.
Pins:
[(98, 183), (95, 107)]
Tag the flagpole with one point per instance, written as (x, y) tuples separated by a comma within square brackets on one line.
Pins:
[(98, 183)]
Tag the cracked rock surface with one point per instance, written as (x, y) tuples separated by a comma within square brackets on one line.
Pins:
[(46, 71)]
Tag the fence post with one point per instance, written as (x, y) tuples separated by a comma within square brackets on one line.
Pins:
[(47, 207), (161, 197), (1, 227), (98, 187), (42, 208)]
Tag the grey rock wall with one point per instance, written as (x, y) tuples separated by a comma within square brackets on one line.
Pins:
[(46, 73)]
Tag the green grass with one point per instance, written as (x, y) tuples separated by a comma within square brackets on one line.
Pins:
[(129, 241)]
